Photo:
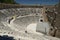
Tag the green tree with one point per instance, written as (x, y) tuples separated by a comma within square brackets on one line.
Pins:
[(8, 1)]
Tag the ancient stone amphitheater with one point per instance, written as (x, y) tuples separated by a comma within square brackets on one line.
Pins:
[(25, 24)]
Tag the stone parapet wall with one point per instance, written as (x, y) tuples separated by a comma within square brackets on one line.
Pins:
[(5, 6)]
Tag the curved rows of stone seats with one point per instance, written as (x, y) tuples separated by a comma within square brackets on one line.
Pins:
[(23, 22), (19, 11), (3, 22), (33, 37), (26, 36), (3, 27), (8, 12), (2, 16)]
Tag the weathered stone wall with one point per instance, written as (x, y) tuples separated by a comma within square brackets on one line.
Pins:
[(54, 19)]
